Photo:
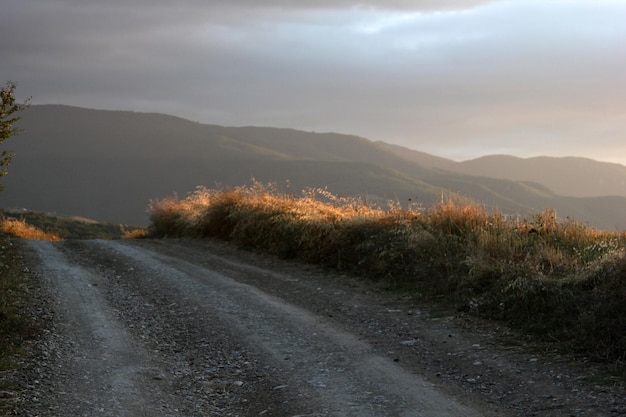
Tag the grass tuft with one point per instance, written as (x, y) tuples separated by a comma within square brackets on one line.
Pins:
[(21, 229)]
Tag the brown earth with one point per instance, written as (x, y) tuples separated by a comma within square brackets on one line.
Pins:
[(181, 328)]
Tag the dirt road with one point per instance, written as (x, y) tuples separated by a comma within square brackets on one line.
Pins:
[(174, 328)]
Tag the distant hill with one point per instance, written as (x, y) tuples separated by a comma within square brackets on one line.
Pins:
[(567, 176), (570, 176), (107, 165)]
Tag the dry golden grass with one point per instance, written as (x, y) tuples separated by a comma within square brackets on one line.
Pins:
[(136, 233), (21, 229), (560, 280)]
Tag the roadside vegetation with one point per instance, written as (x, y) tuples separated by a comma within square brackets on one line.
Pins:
[(17, 326), (42, 226), (560, 281), (19, 228)]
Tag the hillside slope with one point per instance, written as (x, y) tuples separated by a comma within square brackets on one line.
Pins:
[(567, 176), (107, 165), (570, 176)]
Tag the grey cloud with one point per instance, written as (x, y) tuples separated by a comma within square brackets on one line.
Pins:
[(508, 75), (427, 5)]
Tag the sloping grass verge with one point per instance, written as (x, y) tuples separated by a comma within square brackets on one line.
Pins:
[(35, 225), (19, 228), (558, 280), (16, 327), (12, 323)]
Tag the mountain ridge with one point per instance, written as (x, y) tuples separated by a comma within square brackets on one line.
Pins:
[(568, 175)]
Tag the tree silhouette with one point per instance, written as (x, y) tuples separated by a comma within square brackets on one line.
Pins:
[(8, 116)]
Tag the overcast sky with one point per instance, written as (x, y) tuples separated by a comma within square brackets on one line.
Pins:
[(458, 79)]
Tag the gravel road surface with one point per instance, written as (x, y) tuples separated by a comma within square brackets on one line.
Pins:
[(181, 328)]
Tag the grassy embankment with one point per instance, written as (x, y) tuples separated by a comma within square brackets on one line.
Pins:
[(560, 281), (35, 225)]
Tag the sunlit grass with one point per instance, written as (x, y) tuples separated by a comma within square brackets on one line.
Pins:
[(560, 280), (37, 225), (21, 229)]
